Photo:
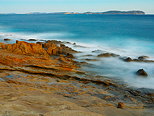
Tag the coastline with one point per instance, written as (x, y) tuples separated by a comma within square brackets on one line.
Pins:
[(51, 83)]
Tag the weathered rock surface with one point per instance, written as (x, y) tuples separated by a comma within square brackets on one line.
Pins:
[(45, 49), (21, 47), (34, 85)]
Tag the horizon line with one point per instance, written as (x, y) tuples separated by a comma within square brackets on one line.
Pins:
[(72, 12)]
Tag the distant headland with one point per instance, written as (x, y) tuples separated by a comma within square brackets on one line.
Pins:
[(132, 12)]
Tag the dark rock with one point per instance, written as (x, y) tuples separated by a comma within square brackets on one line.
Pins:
[(6, 39), (32, 40), (97, 51), (70, 55), (108, 55), (40, 43), (141, 72), (128, 59), (121, 105), (91, 59), (88, 55), (142, 57)]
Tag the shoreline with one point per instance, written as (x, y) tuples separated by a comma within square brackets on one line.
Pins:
[(46, 71)]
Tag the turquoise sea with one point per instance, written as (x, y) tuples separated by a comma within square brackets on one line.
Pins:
[(126, 35)]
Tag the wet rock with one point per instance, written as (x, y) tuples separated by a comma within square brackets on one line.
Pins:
[(54, 42), (91, 59), (121, 105), (97, 51), (32, 40), (70, 55), (142, 57), (141, 72), (57, 48), (87, 55), (6, 39), (108, 55), (82, 63), (139, 59), (128, 59), (40, 43)]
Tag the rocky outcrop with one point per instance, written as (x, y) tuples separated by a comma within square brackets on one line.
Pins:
[(141, 72), (57, 48), (40, 48), (21, 47), (139, 59)]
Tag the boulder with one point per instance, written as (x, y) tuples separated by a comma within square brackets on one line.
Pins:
[(121, 105), (141, 72), (142, 57), (128, 59)]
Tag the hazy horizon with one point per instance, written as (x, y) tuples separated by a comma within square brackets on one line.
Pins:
[(27, 6)]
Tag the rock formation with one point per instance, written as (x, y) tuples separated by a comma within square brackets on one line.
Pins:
[(141, 72)]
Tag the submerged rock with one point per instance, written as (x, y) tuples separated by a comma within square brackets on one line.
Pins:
[(97, 51), (142, 57), (141, 72), (128, 59), (139, 59), (87, 59), (108, 55)]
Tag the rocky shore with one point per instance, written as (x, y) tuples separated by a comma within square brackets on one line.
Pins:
[(44, 79)]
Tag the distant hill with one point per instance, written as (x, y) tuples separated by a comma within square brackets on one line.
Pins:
[(124, 12), (134, 12)]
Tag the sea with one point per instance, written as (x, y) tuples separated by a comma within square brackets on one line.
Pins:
[(125, 35)]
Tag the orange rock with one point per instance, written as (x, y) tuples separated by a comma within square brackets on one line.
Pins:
[(21, 47)]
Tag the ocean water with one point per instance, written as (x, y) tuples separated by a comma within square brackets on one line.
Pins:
[(126, 35)]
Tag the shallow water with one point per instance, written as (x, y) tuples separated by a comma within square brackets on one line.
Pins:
[(126, 35)]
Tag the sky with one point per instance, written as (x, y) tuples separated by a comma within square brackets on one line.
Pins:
[(26, 6)]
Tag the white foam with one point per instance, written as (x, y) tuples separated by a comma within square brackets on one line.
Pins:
[(26, 36)]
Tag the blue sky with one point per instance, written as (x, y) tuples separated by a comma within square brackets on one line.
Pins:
[(24, 6)]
